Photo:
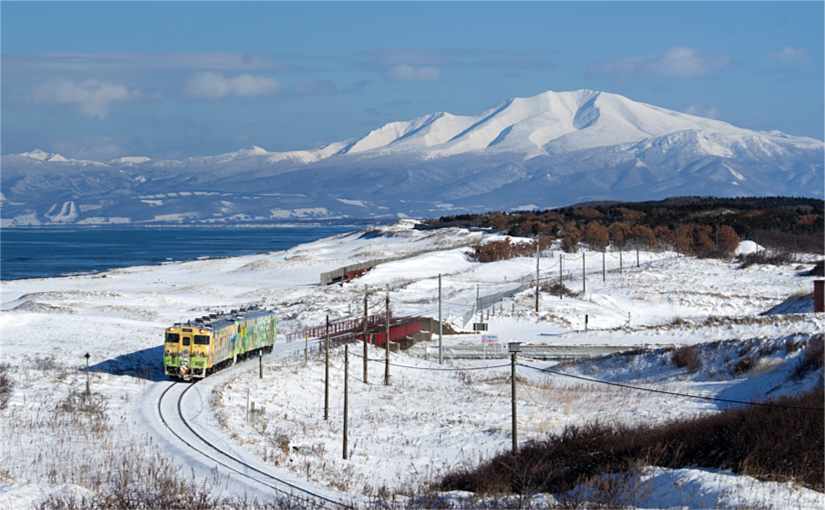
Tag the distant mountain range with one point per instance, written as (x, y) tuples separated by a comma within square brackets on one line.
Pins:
[(548, 150)]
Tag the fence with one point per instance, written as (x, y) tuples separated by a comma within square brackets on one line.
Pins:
[(344, 272), (621, 264)]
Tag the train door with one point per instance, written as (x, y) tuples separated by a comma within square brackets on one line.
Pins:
[(185, 356)]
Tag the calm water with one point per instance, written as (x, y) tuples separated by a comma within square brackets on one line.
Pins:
[(29, 253)]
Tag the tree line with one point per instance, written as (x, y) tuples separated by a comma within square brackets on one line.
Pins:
[(704, 227)]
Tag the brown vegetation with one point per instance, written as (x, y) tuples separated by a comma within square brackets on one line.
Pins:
[(507, 249), (6, 386), (765, 257), (812, 358), (768, 443), (697, 226), (687, 357), (596, 235)]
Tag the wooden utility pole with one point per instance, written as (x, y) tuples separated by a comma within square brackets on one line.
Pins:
[(561, 277), (326, 372), (366, 319), (440, 324), (537, 275), (584, 276), (514, 347), (387, 344), (604, 272), (346, 395), (478, 304), (306, 348), (260, 364), (621, 270), (637, 257), (88, 387)]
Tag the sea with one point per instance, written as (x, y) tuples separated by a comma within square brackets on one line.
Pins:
[(47, 252)]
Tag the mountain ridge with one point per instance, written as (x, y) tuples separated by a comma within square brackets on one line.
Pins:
[(550, 149)]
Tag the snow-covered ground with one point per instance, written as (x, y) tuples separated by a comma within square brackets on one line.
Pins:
[(426, 422)]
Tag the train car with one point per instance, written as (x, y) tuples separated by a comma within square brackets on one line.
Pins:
[(195, 349)]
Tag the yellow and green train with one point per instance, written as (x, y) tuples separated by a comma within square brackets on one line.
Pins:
[(195, 349)]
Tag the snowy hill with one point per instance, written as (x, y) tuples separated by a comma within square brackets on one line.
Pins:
[(551, 149)]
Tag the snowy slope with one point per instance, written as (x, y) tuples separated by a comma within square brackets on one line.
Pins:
[(426, 422), (551, 149)]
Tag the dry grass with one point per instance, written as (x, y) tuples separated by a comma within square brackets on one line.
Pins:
[(772, 257), (764, 442), (687, 357), (6, 386), (812, 358)]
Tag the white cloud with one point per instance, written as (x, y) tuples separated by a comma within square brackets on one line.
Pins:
[(790, 55), (410, 72), (92, 97), (216, 85), (703, 111), (680, 62)]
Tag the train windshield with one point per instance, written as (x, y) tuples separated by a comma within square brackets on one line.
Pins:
[(202, 339), (172, 337)]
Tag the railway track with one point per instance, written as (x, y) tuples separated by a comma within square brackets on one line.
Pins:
[(221, 457)]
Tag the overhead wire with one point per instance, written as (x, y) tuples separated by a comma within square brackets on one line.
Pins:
[(433, 369), (671, 393)]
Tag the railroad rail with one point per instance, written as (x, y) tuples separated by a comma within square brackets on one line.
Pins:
[(225, 459)]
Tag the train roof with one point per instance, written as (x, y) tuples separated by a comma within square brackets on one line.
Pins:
[(217, 321)]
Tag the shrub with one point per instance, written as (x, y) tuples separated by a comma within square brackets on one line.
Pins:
[(743, 365), (507, 249), (728, 240), (776, 258), (6, 386), (812, 358), (557, 289), (768, 443), (571, 239), (687, 357), (596, 235)]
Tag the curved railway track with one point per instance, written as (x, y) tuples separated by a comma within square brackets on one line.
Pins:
[(232, 462)]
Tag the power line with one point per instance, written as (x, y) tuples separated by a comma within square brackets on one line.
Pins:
[(436, 369), (671, 393)]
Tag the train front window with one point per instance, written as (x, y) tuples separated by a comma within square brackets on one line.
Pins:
[(201, 339), (172, 338)]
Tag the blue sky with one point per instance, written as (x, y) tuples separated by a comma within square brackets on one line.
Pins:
[(100, 80)]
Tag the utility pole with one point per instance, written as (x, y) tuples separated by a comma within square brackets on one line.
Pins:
[(620, 261), (584, 276), (537, 274), (440, 324), (515, 347), (561, 277), (387, 344), (306, 348), (604, 272), (478, 304), (260, 364), (346, 395), (637, 257), (88, 388), (326, 372), (366, 319)]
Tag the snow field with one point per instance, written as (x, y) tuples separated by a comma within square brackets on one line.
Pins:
[(403, 436)]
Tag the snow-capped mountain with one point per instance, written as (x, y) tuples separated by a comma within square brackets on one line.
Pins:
[(551, 149)]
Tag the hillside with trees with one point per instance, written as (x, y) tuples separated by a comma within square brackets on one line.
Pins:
[(705, 227)]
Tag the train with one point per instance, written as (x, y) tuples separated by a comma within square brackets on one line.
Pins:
[(197, 348)]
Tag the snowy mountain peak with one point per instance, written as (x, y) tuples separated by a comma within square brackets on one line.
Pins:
[(546, 150), (36, 154), (130, 160)]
